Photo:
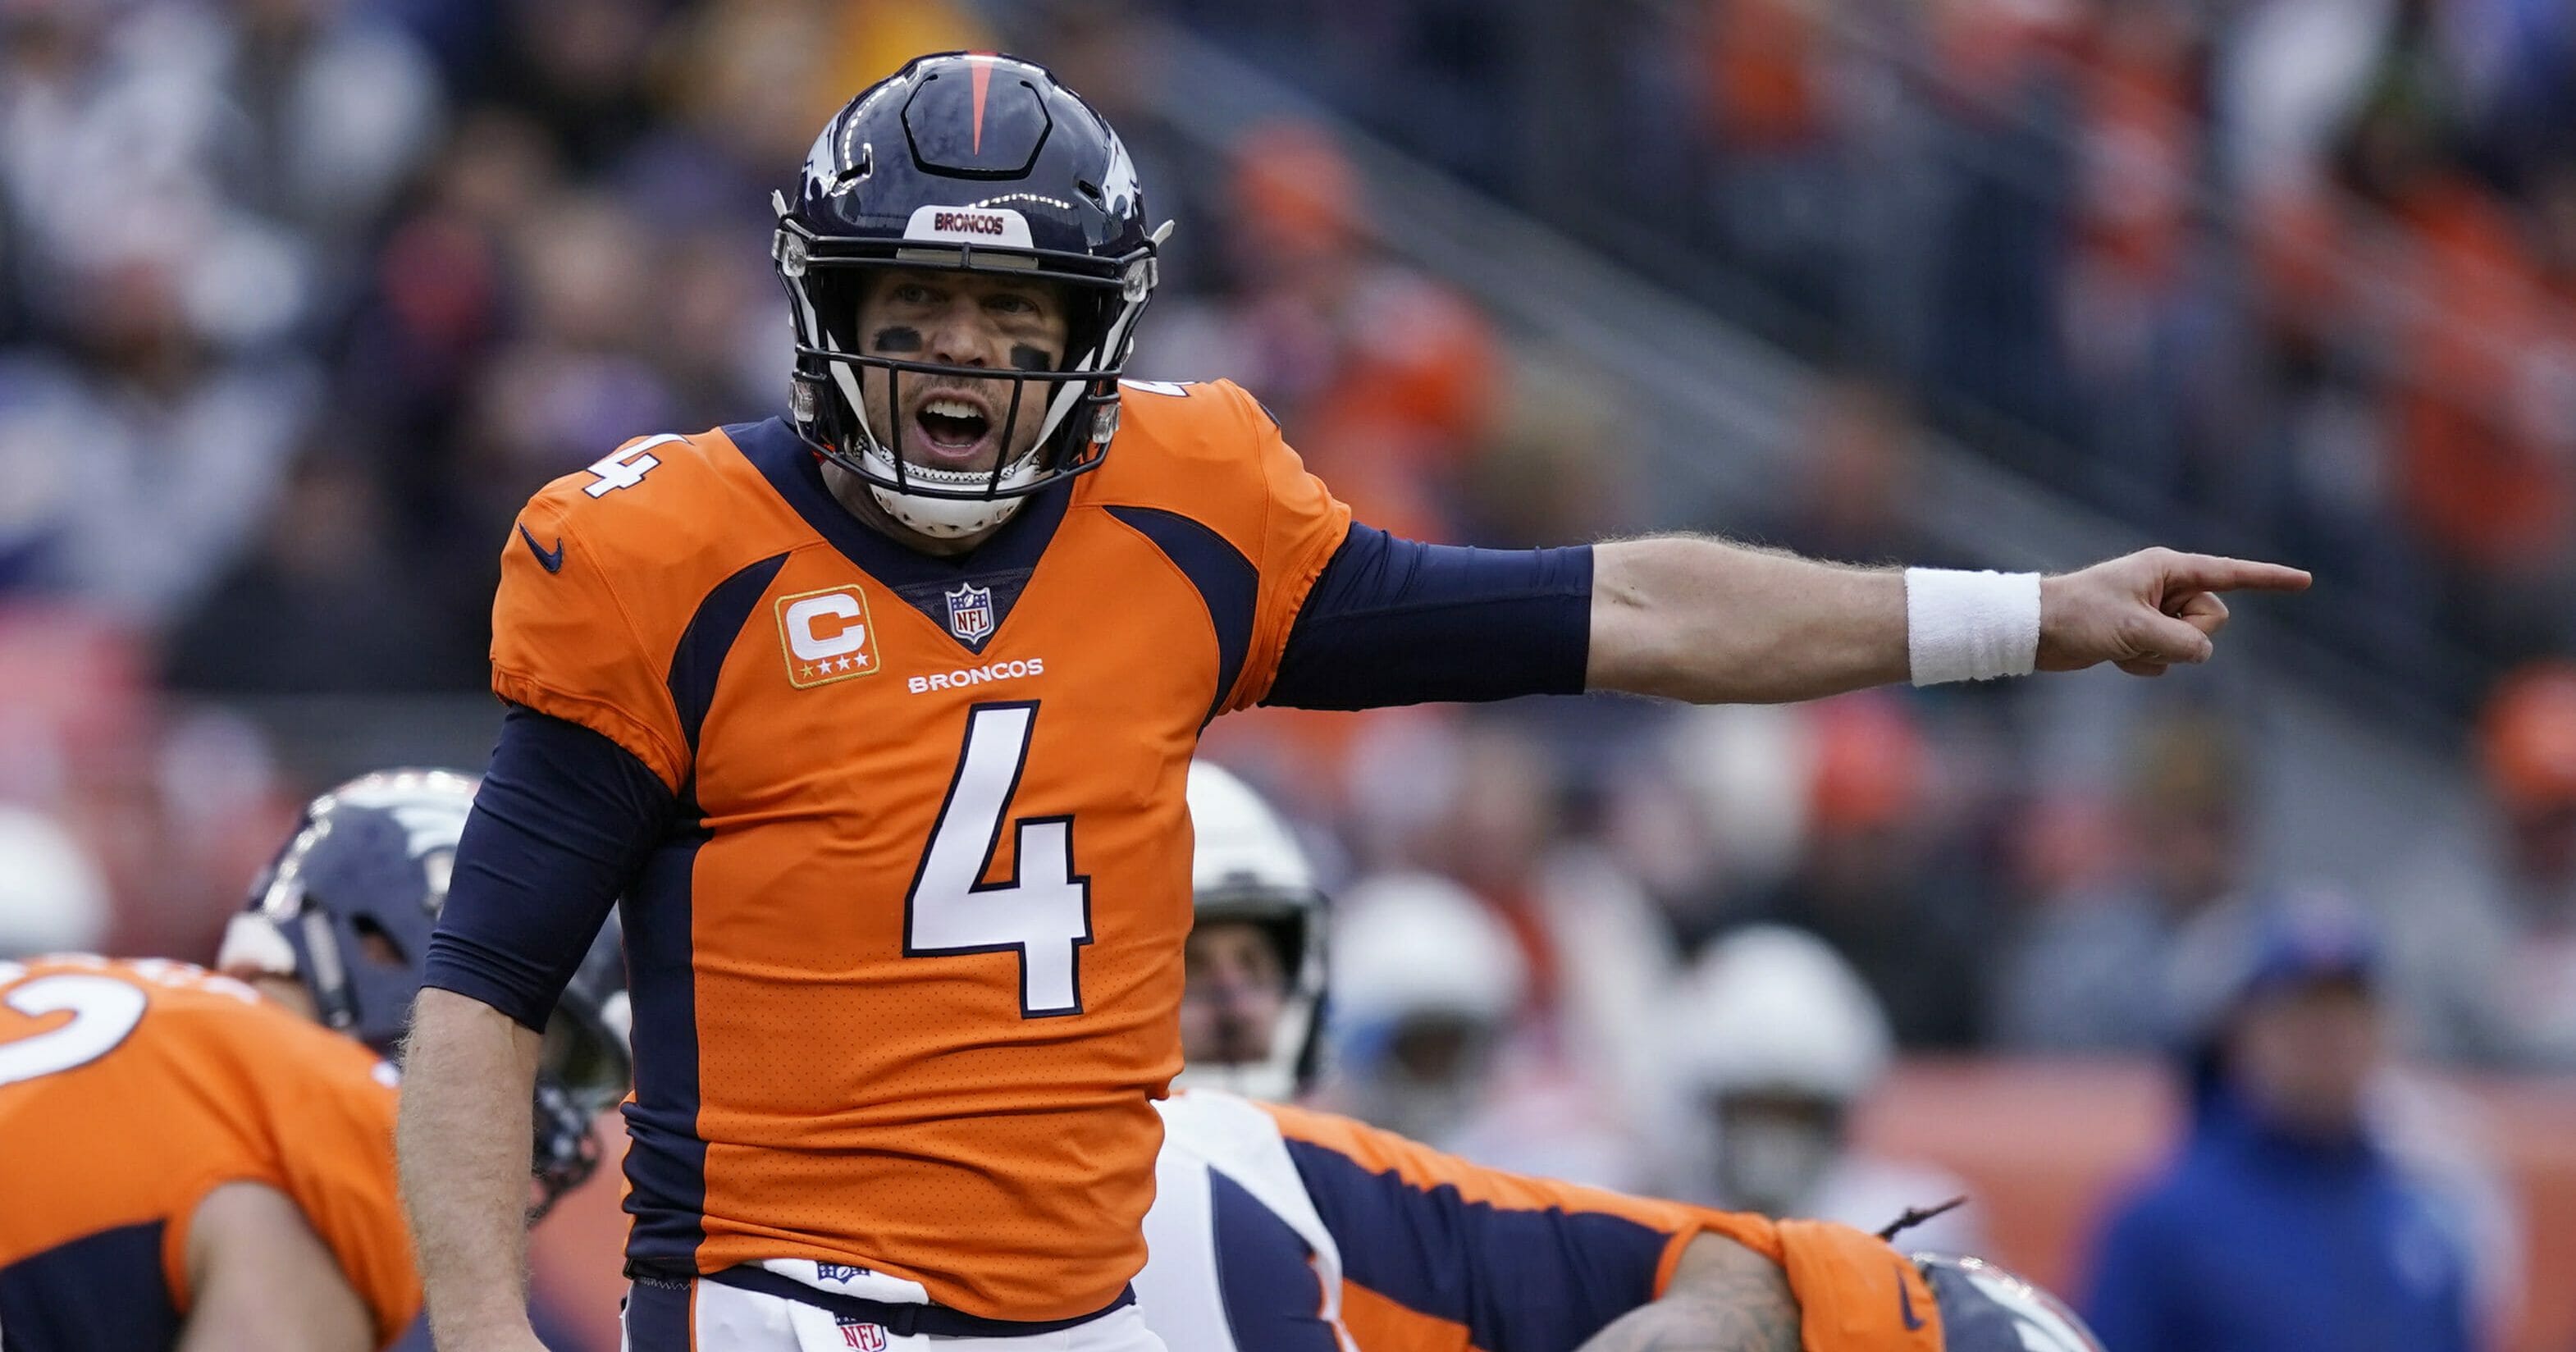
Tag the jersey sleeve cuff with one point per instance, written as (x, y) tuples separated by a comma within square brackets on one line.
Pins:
[(449, 969), (606, 719)]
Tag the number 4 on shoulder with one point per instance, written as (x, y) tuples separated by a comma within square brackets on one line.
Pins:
[(628, 466)]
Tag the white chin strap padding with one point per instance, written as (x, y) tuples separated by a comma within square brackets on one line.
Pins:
[(943, 518), (947, 518)]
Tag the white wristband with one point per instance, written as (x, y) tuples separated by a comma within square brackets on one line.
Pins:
[(1970, 626)]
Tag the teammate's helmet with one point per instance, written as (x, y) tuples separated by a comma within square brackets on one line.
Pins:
[(1426, 983), (1246, 866), (1417, 944), (1772, 1009), (347, 908), (353, 896), (965, 162), (1987, 1309)]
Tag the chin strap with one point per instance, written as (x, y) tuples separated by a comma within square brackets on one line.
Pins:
[(943, 518)]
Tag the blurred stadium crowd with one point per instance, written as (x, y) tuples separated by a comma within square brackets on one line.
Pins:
[(300, 299), (2293, 274)]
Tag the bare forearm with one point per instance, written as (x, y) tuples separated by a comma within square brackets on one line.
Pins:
[(1712, 622), (261, 1278), (467, 1080), (1723, 1298)]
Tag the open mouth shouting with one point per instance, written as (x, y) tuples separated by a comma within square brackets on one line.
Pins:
[(955, 429)]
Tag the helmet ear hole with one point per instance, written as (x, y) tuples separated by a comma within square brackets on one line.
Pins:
[(376, 945)]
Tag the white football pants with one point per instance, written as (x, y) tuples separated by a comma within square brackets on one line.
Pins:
[(707, 1317)]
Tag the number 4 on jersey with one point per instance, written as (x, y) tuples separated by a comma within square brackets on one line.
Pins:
[(627, 467), (1043, 910)]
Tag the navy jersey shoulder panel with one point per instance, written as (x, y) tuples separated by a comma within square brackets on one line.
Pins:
[(1000, 565), (1227, 582), (99, 1291), (1519, 1281), (562, 822), (666, 1158), (1265, 1274), (1395, 621), (699, 659)]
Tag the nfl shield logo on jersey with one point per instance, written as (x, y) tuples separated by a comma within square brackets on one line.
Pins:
[(970, 612)]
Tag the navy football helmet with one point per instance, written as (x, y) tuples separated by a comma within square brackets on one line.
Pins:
[(966, 162), (1987, 1309), (347, 908)]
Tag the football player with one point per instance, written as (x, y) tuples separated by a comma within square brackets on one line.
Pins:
[(878, 715), (1275, 1229), (1775, 1043), (202, 1160)]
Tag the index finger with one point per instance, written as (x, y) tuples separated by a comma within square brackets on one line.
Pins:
[(2211, 572)]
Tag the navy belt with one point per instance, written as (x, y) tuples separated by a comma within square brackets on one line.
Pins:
[(904, 1319)]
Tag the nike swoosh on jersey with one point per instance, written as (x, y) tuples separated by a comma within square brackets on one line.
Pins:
[(1905, 1301), (553, 562)]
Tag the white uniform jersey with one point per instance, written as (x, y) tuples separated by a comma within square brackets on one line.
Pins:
[(1226, 1198), (1276, 1229)]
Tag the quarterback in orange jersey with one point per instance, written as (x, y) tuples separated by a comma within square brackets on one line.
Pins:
[(206, 1161), (878, 716), (1279, 1230)]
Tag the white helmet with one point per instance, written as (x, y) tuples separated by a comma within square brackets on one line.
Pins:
[(1413, 944), (52, 897), (1245, 865), (1770, 1008)]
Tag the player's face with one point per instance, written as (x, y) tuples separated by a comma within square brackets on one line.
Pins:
[(998, 322), (1772, 1148), (1236, 991)]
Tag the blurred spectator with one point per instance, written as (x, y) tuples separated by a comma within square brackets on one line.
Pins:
[(1775, 1044), (152, 455), (2282, 1221), (578, 68), (337, 108), (1543, 479), (1597, 957), (1385, 380), (2092, 971), (1874, 879), (323, 605), (1859, 478), (52, 897), (1442, 1050), (2485, 942)]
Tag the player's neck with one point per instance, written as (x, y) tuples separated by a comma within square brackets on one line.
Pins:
[(852, 493)]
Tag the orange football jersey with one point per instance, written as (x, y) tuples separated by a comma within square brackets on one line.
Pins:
[(129, 1091), (906, 977)]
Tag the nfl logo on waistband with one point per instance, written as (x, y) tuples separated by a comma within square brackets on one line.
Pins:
[(970, 612)]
